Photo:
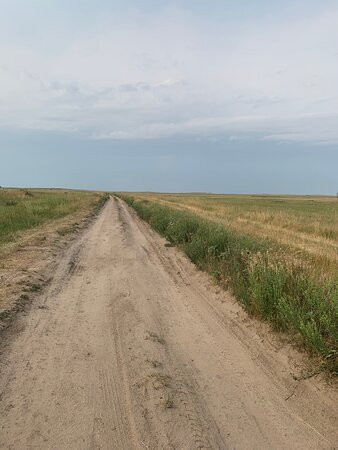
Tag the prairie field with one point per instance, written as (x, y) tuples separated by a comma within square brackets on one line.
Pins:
[(25, 209), (307, 226), (277, 254)]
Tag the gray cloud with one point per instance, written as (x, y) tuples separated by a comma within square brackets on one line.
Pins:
[(170, 73)]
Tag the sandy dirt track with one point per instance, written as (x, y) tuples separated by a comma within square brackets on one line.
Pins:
[(129, 347)]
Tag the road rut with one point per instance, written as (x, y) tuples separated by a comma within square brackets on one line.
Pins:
[(130, 347)]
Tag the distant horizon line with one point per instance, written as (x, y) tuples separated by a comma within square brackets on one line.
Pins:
[(253, 194)]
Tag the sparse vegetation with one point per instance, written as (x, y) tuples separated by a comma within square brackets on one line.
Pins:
[(154, 363), (168, 402), (296, 291), (160, 381), (7, 315), (35, 287), (155, 337)]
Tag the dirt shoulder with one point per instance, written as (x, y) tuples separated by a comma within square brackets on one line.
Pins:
[(28, 263)]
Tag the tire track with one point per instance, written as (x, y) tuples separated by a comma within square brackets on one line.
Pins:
[(133, 349)]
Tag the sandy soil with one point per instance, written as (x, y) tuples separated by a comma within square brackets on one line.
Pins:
[(31, 257), (129, 347)]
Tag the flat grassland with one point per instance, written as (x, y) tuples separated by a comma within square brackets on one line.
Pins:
[(278, 254), (25, 209), (307, 226)]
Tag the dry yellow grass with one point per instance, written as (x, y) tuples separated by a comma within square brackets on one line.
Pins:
[(307, 225)]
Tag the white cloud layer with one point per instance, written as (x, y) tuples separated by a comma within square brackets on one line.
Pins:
[(170, 73)]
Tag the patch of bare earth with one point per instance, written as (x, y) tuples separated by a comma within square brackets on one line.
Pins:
[(27, 263)]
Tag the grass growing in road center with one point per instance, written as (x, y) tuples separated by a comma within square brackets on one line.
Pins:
[(263, 277)]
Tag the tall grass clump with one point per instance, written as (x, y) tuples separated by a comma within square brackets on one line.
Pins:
[(262, 276)]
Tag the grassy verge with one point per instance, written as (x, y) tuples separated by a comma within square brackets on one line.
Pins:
[(306, 225), (22, 209), (269, 284)]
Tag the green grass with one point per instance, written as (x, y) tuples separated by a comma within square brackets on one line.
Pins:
[(22, 209), (306, 225), (270, 284)]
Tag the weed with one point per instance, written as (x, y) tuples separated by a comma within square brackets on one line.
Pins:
[(35, 287), (168, 402), (10, 203), (160, 381), (154, 337), (154, 363)]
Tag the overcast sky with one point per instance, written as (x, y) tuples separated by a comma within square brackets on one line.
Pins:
[(183, 95)]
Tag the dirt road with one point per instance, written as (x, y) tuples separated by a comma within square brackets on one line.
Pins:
[(130, 347)]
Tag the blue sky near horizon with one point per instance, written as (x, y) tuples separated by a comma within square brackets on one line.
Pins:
[(187, 95)]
